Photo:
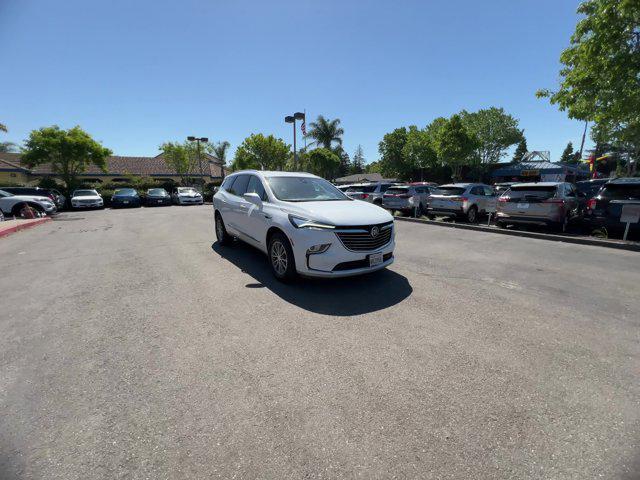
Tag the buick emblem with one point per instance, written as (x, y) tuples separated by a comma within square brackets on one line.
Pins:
[(375, 231)]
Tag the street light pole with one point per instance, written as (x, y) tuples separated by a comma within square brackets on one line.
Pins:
[(292, 119), (198, 140)]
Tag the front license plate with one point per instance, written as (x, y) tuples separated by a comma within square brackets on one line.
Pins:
[(159, 201), (375, 259), (523, 205), (126, 201)]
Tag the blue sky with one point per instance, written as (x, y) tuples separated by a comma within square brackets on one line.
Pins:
[(137, 73)]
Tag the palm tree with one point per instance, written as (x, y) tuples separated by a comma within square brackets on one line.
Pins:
[(220, 151), (6, 147), (324, 132)]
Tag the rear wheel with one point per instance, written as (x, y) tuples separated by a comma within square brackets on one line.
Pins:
[(281, 259), (221, 232), (501, 224), (472, 214), (561, 227)]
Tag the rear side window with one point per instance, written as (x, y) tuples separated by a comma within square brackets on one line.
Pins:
[(621, 191), (227, 183), (384, 188), (477, 191), (397, 190), (239, 187), (255, 186)]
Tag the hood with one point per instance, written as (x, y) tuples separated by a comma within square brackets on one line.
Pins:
[(33, 198), (125, 195), (340, 213), (189, 194), (87, 197)]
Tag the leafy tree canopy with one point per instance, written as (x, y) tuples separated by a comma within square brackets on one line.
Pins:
[(181, 157), (495, 131), (261, 152), (219, 151), (600, 77), (454, 145), (521, 150), (358, 161), (69, 152), (323, 162), (392, 160)]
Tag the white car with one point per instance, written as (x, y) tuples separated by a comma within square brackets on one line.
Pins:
[(86, 199), (304, 224), (187, 196), (14, 204)]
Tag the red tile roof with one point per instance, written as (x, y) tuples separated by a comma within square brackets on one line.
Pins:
[(119, 165)]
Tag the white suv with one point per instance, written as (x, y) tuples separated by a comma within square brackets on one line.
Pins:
[(304, 224)]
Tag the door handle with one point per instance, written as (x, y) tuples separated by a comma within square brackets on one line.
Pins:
[(266, 215)]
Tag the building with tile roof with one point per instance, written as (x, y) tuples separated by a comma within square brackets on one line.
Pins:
[(12, 170)]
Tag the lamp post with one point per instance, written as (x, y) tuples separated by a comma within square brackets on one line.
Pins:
[(198, 140), (292, 119)]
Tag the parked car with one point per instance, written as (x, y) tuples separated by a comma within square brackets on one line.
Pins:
[(15, 205), (304, 224), (369, 192), (157, 196), (52, 194), (603, 210), (125, 197), (420, 184), (86, 198), (187, 196), (408, 199), (462, 200), (590, 188), (553, 204)]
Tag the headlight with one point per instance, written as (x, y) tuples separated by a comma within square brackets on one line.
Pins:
[(301, 222)]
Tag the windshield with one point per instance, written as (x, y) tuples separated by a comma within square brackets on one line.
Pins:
[(363, 189), (84, 193), (449, 190), (304, 189), (125, 192), (5, 194), (621, 191), (157, 191), (187, 190)]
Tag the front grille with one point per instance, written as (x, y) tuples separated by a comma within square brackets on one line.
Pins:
[(361, 240), (364, 263)]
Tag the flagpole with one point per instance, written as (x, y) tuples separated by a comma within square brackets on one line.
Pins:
[(305, 135)]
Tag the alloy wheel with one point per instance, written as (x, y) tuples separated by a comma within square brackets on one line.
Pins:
[(279, 259)]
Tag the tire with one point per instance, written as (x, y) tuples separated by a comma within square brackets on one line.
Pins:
[(561, 227), (419, 211), (501, 224), (472, 214), (281, 260), (221, 231), (431, 217)]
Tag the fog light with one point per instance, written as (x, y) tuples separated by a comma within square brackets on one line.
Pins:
[(318, 248)]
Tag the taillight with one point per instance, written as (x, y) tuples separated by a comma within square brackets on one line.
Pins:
[(591, 203), (51, 196), (365, 195), (503, 199)]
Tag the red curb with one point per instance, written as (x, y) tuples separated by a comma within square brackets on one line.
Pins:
[(23, 226)]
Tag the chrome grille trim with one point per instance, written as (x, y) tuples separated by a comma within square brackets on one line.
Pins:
[(359, 239)]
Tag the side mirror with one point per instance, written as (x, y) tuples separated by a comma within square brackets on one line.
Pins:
[(253, 198), (215, 189)]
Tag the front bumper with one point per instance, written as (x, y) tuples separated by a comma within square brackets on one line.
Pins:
[(190, 200), (121, 203), (95, 204), (337, 261)]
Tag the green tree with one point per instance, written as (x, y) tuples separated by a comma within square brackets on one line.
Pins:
[(600, 77), (392, 162), (455, 145), (495, 130), (3, 128), (373, 167), (569, 156), (358, 161), (180, 157), (325, 132), (6, 146), (521, 150), (418, 151), (219, 151), (262, 153), (69, 152), (323, 162)]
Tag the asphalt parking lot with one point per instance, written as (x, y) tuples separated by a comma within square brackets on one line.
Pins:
[(132, 346)]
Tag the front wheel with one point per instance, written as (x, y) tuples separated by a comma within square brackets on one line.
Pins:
[(221, 231), (281, 258)]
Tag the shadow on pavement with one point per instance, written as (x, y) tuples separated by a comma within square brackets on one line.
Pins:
[(339, 297)]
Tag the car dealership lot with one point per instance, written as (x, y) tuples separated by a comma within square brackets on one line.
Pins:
[(133, 346)]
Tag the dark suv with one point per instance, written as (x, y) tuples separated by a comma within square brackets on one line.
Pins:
[(54, 195), (603, 210)]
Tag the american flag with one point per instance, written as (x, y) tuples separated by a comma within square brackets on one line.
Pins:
[(303, 126)]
